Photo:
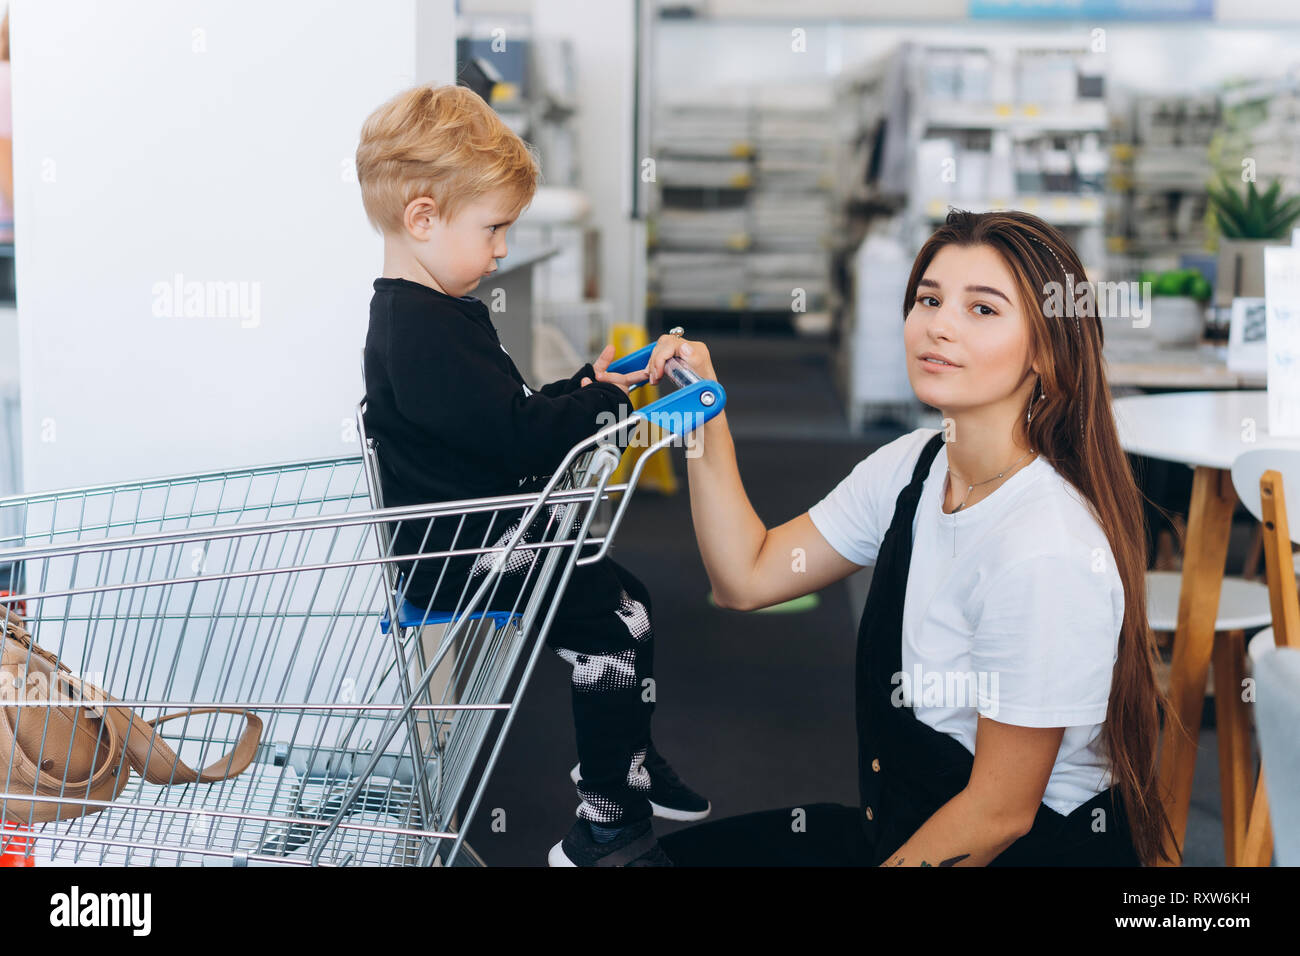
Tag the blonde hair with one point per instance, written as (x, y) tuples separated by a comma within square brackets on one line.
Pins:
[(443, 142)]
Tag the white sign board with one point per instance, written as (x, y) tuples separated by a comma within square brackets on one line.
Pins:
[(1282, 295)]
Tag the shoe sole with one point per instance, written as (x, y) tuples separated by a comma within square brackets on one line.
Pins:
[(557, 856), (668, 813), (663, 813)]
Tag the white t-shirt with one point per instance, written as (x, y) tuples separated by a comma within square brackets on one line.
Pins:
[(1013, 605)]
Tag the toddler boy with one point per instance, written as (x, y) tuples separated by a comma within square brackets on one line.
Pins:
[(443, 178)]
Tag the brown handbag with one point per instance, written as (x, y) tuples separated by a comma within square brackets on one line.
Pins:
[(75, 750)]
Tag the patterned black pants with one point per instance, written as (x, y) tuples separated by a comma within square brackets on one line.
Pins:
[(613, 692), (602, 629)]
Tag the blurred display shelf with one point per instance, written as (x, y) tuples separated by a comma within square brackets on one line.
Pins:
[(1129, 245), (537, 92), (1160, 168), (1066, 209), (741, 218), (1261, 120), (1253, 91), (1074, 117), (1013, 124)]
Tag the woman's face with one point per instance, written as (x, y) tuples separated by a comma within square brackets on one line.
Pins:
[(968, 311)]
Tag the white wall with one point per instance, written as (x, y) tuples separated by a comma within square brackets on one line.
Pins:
[(210, 139)]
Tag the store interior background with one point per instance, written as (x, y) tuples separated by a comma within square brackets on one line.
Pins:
[(707, 164), (764, 184)]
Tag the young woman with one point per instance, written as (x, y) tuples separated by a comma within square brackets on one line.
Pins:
[(1007, 707)]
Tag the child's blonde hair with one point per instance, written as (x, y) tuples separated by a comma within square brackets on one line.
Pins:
[(443, 142)]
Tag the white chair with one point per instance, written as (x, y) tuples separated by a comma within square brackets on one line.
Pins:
[(1267, 481), (1243, 606), (1277, 718)]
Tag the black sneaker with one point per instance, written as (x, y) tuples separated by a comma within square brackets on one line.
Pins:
[(635, 846), (670, 799)]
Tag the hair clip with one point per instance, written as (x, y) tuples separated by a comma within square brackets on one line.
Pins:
[(1077, 327)]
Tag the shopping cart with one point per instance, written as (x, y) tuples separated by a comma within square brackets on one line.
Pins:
[(275, 590)]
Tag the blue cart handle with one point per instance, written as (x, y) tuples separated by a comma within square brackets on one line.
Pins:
[(695, 402), (633, 362)]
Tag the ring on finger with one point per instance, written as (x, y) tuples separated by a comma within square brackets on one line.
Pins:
[(677, 330)]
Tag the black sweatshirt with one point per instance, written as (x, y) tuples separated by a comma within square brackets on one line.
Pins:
[(452, 418)]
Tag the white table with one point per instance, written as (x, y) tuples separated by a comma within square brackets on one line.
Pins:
[(1205, 431), (1204, 365)]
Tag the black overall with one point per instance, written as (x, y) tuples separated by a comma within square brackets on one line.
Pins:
[(907, 770)]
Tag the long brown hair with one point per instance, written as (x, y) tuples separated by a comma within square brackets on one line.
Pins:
[(1074, 429)]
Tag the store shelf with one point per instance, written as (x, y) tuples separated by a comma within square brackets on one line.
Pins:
[(1012, 116), (1064, 210), (743, 214)]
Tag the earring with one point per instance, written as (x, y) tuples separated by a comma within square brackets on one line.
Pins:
[(1029, 415)]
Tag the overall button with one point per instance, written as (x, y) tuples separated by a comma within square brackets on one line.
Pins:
[(870, 815), (875, 765)]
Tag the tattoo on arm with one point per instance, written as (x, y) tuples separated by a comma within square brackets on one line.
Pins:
[(951, 861)]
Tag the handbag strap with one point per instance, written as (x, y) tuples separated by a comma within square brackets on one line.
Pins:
[(154, 760), (16, 632)]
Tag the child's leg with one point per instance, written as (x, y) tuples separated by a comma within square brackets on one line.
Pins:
[(613, 697)]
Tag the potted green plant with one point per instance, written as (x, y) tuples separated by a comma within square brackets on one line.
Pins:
[(1177, 304), (1247, 225)]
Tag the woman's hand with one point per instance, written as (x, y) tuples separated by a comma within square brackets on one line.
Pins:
[(695, 355), (602, 375)]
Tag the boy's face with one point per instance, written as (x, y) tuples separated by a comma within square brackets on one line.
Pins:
[(459, 253)]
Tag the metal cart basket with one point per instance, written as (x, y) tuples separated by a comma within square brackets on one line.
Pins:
[(274, 591)]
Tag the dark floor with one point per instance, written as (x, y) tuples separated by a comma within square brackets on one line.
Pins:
[(754, 710)]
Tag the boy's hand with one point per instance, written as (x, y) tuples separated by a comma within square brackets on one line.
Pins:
[(622, 381)]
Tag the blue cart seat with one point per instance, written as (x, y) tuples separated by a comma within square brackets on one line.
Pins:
[(412, 615)]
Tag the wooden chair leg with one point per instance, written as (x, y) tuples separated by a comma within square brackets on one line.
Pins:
[(1254, 554), (1236, 768), (1257, 849), (1205, 554)]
